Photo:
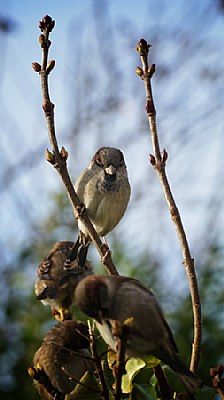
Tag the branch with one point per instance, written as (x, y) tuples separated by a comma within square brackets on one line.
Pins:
[(158, 160), (165, 390), (121, 332), (97, 362), (217, 375), (59, 158)]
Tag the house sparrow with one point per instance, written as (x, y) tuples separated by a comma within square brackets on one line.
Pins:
[(104, 189), (56, 282), (62, 359), (117, 298)]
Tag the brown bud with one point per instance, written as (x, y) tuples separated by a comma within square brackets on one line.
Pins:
[(43, 41), (41, 25), (164, 155), (139, 71), (51, 26), (152, 159), (50, 157), (46, 20), (36, 66), (64, 153)]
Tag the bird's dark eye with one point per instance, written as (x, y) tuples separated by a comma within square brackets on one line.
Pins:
[(121, 164), (99, 163)]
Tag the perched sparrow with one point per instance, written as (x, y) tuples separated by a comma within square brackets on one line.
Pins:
[(56, 282), (104, 189), (62, 359), (117, 298)]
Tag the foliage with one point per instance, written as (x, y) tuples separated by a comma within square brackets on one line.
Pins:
[(27, 320)]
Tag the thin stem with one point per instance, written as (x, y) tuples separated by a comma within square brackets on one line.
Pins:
[(165, 389), (159, 162), (59, 158), (120, 366), (97, 362)]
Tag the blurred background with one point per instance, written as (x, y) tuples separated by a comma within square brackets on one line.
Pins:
[(99, 100)]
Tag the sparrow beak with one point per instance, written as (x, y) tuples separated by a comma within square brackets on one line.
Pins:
[(111, 170)]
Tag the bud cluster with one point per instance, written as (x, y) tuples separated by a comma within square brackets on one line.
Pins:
[(143, 47), (47, 24)]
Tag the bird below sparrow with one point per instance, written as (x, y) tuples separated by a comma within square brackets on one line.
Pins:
[(104, 190), (56, 284), (116, 298), (62, 359)]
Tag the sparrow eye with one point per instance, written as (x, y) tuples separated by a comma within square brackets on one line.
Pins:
[(99, 163), (121, 164)]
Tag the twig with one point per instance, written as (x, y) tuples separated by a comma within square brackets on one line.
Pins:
[(97, 362), (217, 375), (165, 389), (119, 370), (59, 158), (158, 160)]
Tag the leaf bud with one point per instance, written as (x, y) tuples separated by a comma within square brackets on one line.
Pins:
[(139, 71), (50, 66), (50, 157), (152, 159), (36, 66)]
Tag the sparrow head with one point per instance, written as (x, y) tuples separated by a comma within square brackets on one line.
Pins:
[(110, 160), (92, 297), (57, 279)]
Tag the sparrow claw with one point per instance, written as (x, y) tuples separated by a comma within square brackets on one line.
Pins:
[(105, 249)]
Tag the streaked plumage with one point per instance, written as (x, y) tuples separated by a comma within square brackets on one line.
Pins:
[(56, 281), (62, 359), (110, 298)]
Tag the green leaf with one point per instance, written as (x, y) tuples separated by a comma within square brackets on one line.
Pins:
[(142, 392), (132, 367), (151, 362), (88, 388)]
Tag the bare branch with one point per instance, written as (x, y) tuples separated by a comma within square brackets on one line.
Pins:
[(121, 332), (165, 389), (59, 158), (158, 160), (97, 362)]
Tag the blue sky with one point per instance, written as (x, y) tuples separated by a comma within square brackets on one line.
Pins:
[(185, 101)]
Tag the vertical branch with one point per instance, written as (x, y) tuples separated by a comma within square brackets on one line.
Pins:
[(158, 160), (97, 362), (59, 158), (121, 332)]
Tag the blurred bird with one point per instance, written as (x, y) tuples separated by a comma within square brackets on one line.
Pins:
[(117, 298), (104, 189), (62, 360), (56, 282)]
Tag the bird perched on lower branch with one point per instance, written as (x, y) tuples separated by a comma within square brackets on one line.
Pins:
[(116, 298), (56, 283), (104, 190), (62, 360)]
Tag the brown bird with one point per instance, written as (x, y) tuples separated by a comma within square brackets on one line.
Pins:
[(56, 282), (62, 360), (117, 298), (104, 189)]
